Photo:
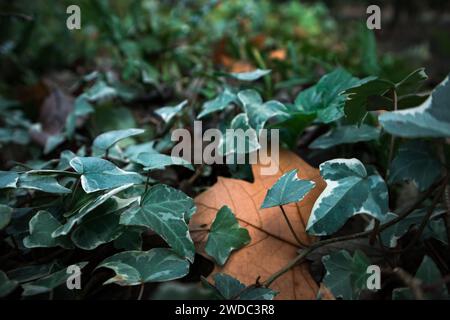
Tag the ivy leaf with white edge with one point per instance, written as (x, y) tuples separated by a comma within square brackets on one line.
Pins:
[(415, 162), (430, 119), (8, 179), (38, 182), (86, 209), (99, 174), (106, 140), (153, 161), (260, 112), (250, 75), (346, 276), (350, 190), (41, 227), (289, 188), (167, 113), (219, 103), (346, 134), (166, 211), (138, 267), (48, 283), (225, 235)]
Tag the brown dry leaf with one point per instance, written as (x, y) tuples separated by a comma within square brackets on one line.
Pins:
[(272, 245), (278, 54)]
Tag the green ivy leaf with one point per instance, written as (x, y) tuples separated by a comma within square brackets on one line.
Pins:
[(231, 288), (167, 113), (412, 82), (31, 272), (350, 190), (232, 142), (99, 174), (259, 112), (325, 99), (100, 92), (153, 161), (87, 208), (225, 236), (251, 75), (5, 215), (289, 188), (8, 179), (429, 274), (6, 285), (130, 239), (346, 276), (41, 227), (48, 283), (106, 140), (38, 182), (346, 134), (137, 267), (430, 119), (415, 162), (219, 103), (166, 211)]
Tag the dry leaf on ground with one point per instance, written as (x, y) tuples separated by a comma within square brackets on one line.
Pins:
[(272, 245)]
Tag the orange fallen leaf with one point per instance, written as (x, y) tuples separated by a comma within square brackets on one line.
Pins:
[(279, 54), (272, 245)]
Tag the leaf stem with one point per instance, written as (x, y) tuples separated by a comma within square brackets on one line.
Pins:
[(141, 291), (292, 228), (392, 144)]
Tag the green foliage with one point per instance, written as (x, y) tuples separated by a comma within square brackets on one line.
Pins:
[(345, 135)]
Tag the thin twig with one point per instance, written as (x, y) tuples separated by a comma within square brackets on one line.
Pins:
[(415, 285)]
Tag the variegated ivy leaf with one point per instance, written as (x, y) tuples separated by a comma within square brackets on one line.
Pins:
[(346, 276), (137, 267), (86, 209), (5, 215), (99, 174), (430, 119), (415, 162), (130, 239), (106, 140), (260, 112), (229, 288), (240, 138), (42, 183), (100, 92), (219, 103), (8, 179), (429, 274), (32, 272), (41, 227), (153, 161), (6, 285), (166, 211), (326, 98), (289, 188), (225, 235), (350, 190), (48, 283), (167, 113), (346, 134), (250, 75)]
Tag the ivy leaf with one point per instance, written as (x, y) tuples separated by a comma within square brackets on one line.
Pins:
[(100, 92), (346, 134), (167, 113), (412, 82), (38, 182), (153, 161), (251, 75), (429, 274), (259, 112), (41, 227), (415, 162), (8, 179), (102, 226), (430, 119), (6, 285), (48, 283), (225, 236), (350, 190), (106, 140), (137, 267), (5, 215), (130, 239), (166, 211), (231, 288), (233, 143), (89, 207), (346, 276), (133, 151), (219, 103), (31, 272), (325, 99), (99, 174), (289, 188)]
